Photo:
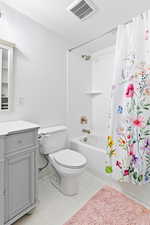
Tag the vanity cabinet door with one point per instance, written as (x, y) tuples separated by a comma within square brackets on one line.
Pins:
[(19, 183)]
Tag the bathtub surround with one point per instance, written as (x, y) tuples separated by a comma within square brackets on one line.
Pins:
[(89, 90), (79, 82), (129, 134), (89, 87), (102, 70)]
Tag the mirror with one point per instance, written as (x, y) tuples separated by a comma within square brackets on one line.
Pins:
[(6, 63), (4, 78)]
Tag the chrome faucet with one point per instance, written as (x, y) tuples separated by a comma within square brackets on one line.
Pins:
[(87, 131)]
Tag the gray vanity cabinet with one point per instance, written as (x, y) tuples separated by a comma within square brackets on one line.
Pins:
[(20, 173), (1, 180), (19, 183)]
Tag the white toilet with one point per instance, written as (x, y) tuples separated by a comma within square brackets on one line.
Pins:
[(67, 164)]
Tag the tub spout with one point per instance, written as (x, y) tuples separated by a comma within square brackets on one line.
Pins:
[(87, 131)]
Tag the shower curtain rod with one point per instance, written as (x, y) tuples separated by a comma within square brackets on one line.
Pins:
[(95, 39)]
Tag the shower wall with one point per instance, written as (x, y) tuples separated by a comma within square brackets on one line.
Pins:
[(78, 102), (84, 77), (102, 74)]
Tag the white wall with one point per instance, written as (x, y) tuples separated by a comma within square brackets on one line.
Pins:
[(79, 82), (102, 74), (39, 75)]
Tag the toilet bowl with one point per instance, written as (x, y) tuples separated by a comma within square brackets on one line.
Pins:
[(69, 166)]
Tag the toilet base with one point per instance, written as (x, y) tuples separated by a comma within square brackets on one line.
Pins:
[(67, 185)]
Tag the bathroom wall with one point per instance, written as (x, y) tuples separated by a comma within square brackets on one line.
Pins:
[(102, 74), (79, 82), (39, 70)]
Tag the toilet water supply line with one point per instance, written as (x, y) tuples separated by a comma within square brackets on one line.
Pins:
[(47, 162), (44, 156)]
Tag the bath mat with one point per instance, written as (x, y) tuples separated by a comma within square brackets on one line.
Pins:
[(110, 207)]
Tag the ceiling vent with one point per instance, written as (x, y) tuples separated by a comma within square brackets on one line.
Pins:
[(82, 8)]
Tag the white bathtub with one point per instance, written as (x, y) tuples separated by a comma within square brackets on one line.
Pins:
[(94, 150)]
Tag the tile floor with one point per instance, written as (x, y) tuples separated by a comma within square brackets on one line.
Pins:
[(56, 209)]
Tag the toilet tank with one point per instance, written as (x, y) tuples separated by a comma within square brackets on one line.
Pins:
[(52, 139)]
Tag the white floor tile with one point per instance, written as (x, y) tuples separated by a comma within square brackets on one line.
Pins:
[(54, 208)]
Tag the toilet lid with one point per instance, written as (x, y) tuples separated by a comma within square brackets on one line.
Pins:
[(70, 159)]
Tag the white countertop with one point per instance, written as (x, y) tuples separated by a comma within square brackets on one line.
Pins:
[(16, 126)]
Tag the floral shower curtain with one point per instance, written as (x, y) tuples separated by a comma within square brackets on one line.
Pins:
[(128, 148)]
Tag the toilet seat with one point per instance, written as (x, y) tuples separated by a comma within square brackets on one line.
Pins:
[(70, 159)]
